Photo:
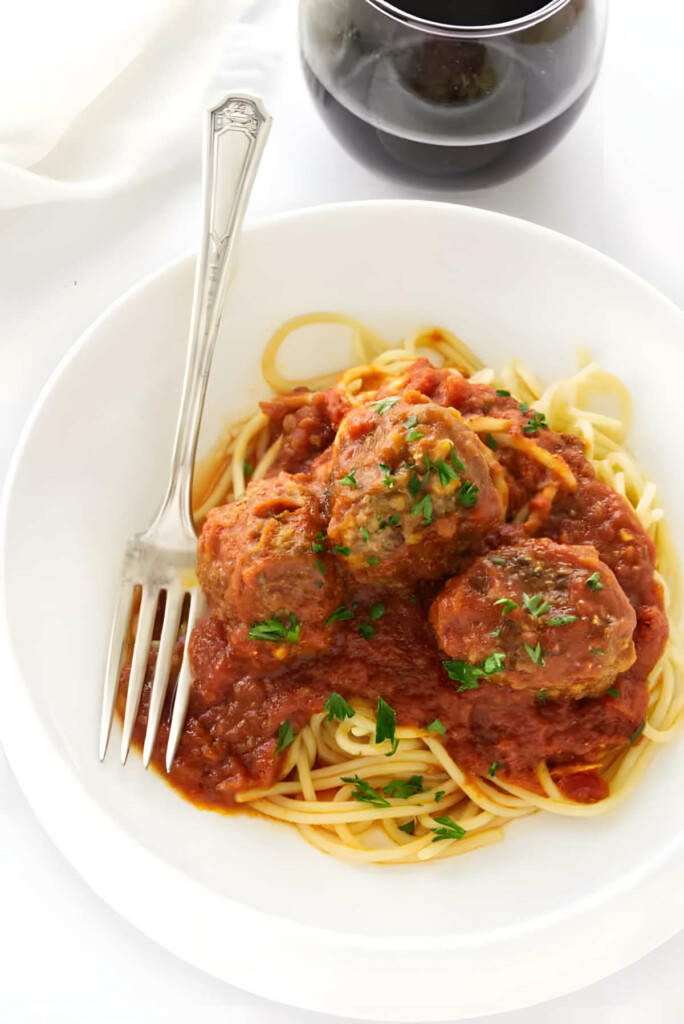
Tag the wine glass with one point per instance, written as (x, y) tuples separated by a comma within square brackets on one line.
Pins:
[(427, 92)]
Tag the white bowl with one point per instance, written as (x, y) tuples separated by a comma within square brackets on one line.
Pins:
[(561, 902)]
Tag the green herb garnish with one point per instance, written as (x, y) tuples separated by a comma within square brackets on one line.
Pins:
[(350, 479), (490, 441), (337, 707), (594, 582), (637, 732), (247, 470), (446, 472), (536, 654), (275, 631), (502, 393), (449, 830), (377, 611), (536, 423), (366, 630), (468, 675), (364, 792), (340, 615), (409, 828), (386, 474), (536, 605), (613, 692), (424, 506), (458, 465), (285, 736), (340, 549), (402, 789), (493, 769), (436, 726), (561, 620), (364, 534), (384, 405), (386, 722), (319, 565), (497, 561), (468, 494), (508, 605)]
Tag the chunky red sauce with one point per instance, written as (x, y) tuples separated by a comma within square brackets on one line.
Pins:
[(238, 702)]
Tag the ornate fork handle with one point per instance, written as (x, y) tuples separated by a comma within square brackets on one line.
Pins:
[(235, 135)]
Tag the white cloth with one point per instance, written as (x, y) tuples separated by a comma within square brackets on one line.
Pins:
[(95, 96)]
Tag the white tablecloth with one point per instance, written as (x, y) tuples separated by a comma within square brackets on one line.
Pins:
[(615, 183)]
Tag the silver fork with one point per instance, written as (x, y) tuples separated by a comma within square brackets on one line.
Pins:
[(162, 559)]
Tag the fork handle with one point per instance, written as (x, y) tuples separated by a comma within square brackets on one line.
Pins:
[(234, 138)]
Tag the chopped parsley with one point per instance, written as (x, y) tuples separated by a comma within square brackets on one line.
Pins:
[(364, 792), (493, 664), (384, 405), (409, 828), (502, 393), (350, 479), (364, 534), (275, 631), (436, 726), (490, 441), (385, 723), (386, 474), (424, 506), (449, 830), (317, 547), (337, 707), (439, 794), (414, 484), (497, 561), (402, 789), (523, 407), (429, 464), (340, 614), (508, 605), (458, 465), (543, 696), (320, 566), (536, 423), (599, 654), (366, 630), (497, 631), (468, 675), (392, 521), (536, 605), (613, 692), (412, 421), (594, 582), (446, 472), (247, 470), (373, 560), (377, 611), (637, 732), (493, 769), (561, 620), (285, 736), (340, 549), (468, 494), (536, 654), (414, 435)]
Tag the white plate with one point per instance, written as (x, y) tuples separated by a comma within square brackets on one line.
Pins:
[(561, 902)]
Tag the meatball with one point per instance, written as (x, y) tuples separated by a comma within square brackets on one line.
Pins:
[(264, 572), (537, 616), (411, 490)]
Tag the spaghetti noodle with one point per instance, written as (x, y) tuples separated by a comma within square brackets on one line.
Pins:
[(357, 795)]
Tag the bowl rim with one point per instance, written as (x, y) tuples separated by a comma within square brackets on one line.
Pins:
[(83, 851)]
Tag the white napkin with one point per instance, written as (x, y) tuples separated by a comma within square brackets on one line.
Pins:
[(96, 96)]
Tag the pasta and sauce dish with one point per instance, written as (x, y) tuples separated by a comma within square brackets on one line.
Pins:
[(439, 598)]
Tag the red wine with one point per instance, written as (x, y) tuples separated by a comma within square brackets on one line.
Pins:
[(454, 110), (429, 164), (469, 12)]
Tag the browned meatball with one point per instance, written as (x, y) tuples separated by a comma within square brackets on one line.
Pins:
[(411, 490), (540, 616), (258, 568)]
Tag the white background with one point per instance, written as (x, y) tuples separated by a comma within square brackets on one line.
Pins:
[(616, 182)]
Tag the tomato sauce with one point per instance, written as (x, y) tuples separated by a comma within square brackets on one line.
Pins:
[(237, 705)]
